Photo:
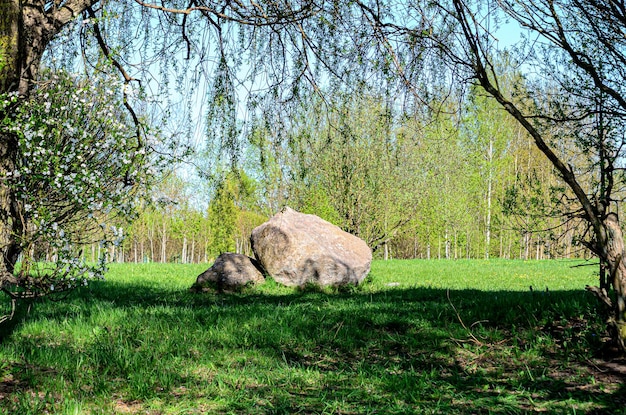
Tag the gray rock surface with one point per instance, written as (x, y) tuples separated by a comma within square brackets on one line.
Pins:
[(298, 249), (230, 272)]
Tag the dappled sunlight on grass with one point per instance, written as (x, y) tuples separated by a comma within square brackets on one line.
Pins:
[(140, 342)]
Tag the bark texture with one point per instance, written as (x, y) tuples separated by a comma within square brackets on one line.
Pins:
[(616, 277), (10, 219), (9, 45), (10, 71)]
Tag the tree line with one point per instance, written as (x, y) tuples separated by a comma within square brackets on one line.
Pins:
[(466, 182)]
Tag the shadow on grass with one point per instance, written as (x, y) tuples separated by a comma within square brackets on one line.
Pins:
[(415, 350)]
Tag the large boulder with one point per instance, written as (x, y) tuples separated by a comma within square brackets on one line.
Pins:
[(230, 272), (297, 249)]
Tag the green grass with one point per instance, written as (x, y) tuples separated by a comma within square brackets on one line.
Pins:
[(418, 337)]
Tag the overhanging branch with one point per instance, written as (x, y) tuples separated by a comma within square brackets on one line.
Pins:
[(127, 80)]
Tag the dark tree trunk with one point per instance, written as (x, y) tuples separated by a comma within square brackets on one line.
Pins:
[(11, 53), (613, 274), (10, 219)]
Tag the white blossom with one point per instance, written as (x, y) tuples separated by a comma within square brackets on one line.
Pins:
[(65, 158)]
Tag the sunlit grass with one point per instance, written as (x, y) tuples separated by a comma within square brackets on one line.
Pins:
[(488, 275), (417, 337)]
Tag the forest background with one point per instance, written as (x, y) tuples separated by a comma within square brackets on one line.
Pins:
[(462, 182), (446, 175)]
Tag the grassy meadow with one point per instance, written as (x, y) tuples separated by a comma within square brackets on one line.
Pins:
[(418, 337)]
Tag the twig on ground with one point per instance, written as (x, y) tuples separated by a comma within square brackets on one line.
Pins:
[(458, 316)]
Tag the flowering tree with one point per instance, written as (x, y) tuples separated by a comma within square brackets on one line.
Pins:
[(78, 166)]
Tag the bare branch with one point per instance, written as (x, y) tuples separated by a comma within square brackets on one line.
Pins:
[(248, 16), (127, 78), (601, 294)]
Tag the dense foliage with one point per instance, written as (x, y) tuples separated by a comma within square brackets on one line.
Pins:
[(80, 166), (350, 128)]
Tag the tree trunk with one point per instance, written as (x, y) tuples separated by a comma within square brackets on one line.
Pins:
[(152, 258), (489, 195), (456, 256), (526, 245), (10, 224), (509, 245), (537, 249), (438, 246), (617, 276), (193, 250), (9, 45), (613, 274), (164, 244)]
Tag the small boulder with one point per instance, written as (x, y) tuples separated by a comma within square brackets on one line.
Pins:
[(230, 272), (297, 249)]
